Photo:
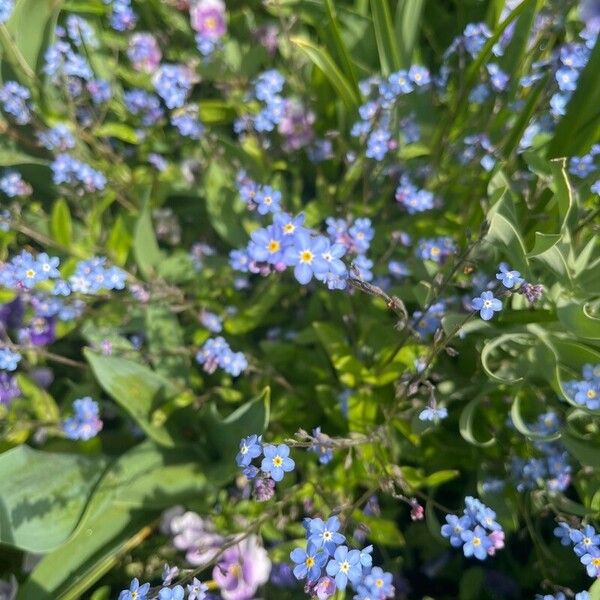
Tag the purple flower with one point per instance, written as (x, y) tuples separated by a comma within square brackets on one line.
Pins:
[(486, 304), (242, 569), (208, 18), (9, 388)]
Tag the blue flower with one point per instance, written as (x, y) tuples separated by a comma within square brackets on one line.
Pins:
[(306, 256), (14, 99), (175, 593), (325, 453), (345, 566), (584, 540), (454, 528), (379, 583), (563, 533), (433, 413), (419, 75), (173, 83), (276, 461), (135, 591), (326, 534), (6, 8), (268, 84), (250, 448), (566, 79), (187, 121), (287, 224), (267, 199), (266, 245), (309, 562), (508, 278), (591, 560), (486, 304), (477, 543)]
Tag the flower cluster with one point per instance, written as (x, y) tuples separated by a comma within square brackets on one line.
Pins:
[(476, 530), (173, 84), (216, 353), (325, 551), (85, 423), (412, 198), (585, 543), (15, 101), (552, 469), (75, 173), (586, 392), (144, 52), (276, 462), (8, 359), (13, 185), (209, 19), (435, 249)]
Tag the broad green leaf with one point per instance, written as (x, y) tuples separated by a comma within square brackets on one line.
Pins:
[(165, 343), (587, 452), (138, 390), (224, 212), (213, 112), (504, 232), (595, 590), (579, 128), (575, 316), (323, 61), (42, 403), (43, 496), (177, 268), (145, 247), (385, 35), (224, 434), (119, 241), (543, 243), (11, 158), (60, 223), (27, 33)]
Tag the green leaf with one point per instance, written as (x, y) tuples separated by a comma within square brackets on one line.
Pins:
[(27, 33), (432, 522), (224, 213), (136, 388), (387, 46), (119, 241), (60, 223), (466, 424), (407, 27), (145, 247), (587, 452), (505, 233), (259, 307), (543, 243), (492, 345), (522, 427), (224, 434), (42, 403), (575, 316), (323, 61), (119, 131), (165, 338), (563, 195), (579, 128), (216, 112), (11, 158), (43, 496), (595, 590)]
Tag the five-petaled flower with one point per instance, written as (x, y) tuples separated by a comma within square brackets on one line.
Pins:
[(487, 305), (276, 461)]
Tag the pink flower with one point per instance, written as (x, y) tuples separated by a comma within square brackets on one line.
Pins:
[(208, 18), (242, 569)]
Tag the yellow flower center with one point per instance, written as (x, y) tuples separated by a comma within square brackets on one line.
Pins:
[(268, 200), (435, 251), (379, 583), (587, 541), (273, 246), (277, 461), (306, 256), (289, 228), (244, 449), (30, 273), (345, 567), (310, 561), (210, 23), (596, 562), (134, 595), (327, 535), (417, 77), (476, 541), (235, 570), (591, 393)]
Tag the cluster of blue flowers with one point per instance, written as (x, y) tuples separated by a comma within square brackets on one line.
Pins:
[(122, 15), (187, 121), (552, 470), (145, 105), (13, 185), (173, 84), (376, 113), (85, 423), (585, 595), (476, 530), (435, 249), (93, 276), (586, 545), (15, 101), (586, 392), (412, 198), (325, 550), (77, 174), (288, 243), (58, 138), (586, 165), (216, 353), (267, 90)]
